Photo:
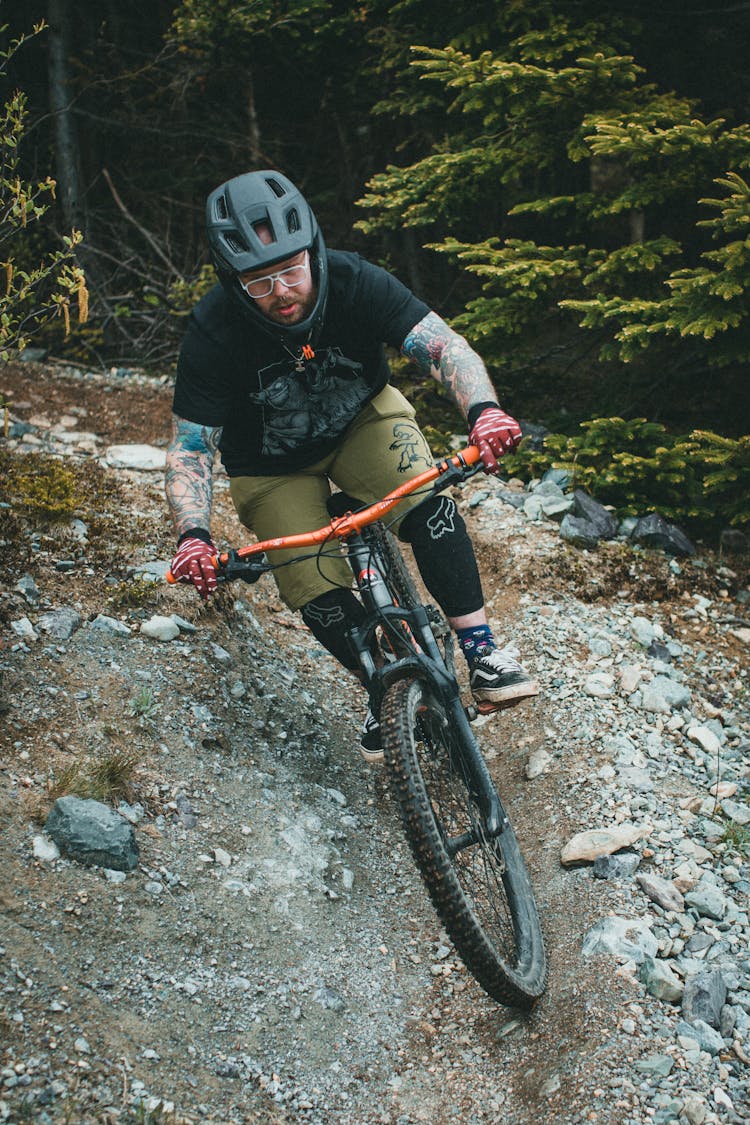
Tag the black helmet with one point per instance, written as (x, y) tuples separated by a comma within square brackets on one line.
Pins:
[(233, 212)]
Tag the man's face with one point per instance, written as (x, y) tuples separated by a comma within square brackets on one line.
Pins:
[(285, 304)]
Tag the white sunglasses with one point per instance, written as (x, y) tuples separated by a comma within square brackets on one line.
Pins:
[(291, 277)]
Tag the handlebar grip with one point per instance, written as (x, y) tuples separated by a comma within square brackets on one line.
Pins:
[(171, 578)]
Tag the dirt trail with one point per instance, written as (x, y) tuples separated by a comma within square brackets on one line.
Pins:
[(274, 957)]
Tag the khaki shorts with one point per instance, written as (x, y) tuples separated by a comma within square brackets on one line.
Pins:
[(382, 449)]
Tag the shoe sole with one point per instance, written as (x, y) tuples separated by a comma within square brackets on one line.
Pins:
[(508, 696), (372, 757)]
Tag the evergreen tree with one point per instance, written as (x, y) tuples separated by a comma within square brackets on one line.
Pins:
[(567, 183)]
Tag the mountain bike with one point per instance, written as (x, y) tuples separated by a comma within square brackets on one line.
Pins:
[(458, 831)]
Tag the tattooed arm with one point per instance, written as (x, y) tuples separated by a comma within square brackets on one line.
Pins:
[(439, 351), (189, 484)]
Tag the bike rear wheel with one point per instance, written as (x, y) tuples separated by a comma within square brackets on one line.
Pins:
[(478, 885)]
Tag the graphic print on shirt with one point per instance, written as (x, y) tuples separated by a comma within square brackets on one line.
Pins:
[(301, 405), (410, 445)]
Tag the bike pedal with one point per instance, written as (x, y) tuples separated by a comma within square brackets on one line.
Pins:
[(485, 707)]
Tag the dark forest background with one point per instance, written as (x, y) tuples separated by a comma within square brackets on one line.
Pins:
[(567, 182)]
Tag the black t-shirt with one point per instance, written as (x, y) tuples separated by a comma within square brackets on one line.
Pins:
[(280, 414)]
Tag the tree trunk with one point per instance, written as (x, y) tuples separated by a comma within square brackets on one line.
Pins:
[(67, 160), (253, 128)]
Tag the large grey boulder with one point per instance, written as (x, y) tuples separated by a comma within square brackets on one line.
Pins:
[(587, 508), (92, 834), (655, 531), (579, 532)]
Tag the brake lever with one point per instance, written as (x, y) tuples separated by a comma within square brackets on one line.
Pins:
[(246, 570)]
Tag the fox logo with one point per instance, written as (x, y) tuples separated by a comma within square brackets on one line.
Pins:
[(443, 521), (325, 616)]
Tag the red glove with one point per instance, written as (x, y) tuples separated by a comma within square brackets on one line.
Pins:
[(494, 433), (194, 562)]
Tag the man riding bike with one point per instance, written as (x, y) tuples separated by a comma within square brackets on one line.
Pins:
[(283, 370)]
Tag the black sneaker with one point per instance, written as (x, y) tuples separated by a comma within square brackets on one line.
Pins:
[(496, 676), (370, 742)]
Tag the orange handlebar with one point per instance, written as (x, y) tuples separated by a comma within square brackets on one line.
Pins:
[(343, 526), (346, 525)]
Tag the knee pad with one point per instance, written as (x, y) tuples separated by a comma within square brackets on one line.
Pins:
[(329, 616), (444, 554)]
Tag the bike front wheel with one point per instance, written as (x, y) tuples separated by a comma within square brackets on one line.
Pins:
[(478, 884)]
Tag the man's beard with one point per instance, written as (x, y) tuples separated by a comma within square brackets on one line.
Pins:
[(306, 306)]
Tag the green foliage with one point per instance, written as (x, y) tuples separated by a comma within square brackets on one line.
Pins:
[(701, 479), (40, 487), (578, 185), (134, 594), (34, 291)]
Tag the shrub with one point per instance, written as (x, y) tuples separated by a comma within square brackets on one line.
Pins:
[(700, 478)]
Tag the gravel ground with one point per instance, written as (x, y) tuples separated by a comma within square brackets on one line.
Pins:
[(273, 956)]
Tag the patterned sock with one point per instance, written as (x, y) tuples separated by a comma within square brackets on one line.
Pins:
[(474, 638)]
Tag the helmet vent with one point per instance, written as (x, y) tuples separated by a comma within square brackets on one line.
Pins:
[(292, 221), (221, 208), (276, 187), (235, 244)]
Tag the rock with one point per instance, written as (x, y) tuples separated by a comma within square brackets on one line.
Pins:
[(599, 685), (110, 625), (655, 531), (586, 508), (60, 623), (600, 646), (642, 631), (660, 980), (695, 1109), (738, 813), (704, 997), (621, 866), (704, 738), (532, 508), (552, 500), (329, 998), (628, 939), (560, 477), (586, 846), (92, 833), (658, 1065), (160, 628), (707, 1038), (707, 900), (630, 677), (28, 588), (157, 570), (538, 763), (146, 457), (579, 532), (45, 849), (663, 695), (23, 628), (515, 499), (661, 891)]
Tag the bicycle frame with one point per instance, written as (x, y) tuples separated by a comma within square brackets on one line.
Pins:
[(416, 653)]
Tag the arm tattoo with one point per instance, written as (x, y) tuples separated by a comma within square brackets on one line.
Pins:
[(439, 351), (189, 485)]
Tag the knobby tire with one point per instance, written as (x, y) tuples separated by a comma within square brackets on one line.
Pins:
[(482, 894)]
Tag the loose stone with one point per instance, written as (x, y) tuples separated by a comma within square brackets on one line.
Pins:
[(585, 847), (661, 891)]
